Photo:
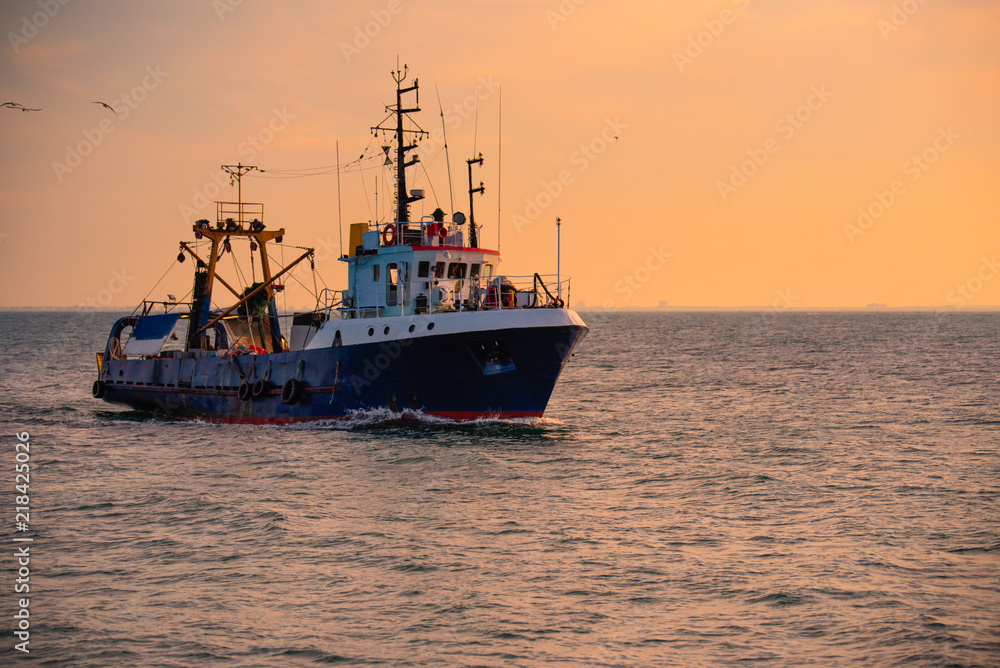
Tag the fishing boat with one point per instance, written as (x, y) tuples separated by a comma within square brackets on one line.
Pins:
[(426, 323)]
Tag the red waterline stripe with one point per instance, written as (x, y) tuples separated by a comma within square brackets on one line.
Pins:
[(458, 416), (265, 420), (465, 416)]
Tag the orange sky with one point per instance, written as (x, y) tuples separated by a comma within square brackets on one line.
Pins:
[(751, 136)]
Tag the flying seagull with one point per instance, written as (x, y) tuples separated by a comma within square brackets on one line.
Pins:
[(17, 105), (105, 104)]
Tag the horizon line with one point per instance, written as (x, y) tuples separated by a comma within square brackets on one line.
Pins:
[(586, 308)]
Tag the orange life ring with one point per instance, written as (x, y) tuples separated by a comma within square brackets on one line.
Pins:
[(389, 235)]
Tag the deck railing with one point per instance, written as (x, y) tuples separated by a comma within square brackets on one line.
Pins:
[(425, 232), (240, 213), (433, 295)]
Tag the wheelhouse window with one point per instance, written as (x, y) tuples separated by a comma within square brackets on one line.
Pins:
[(391, 284), (487, 270), (439, 270), (456, 270), (474, 270), (423, 269), (377, 269)]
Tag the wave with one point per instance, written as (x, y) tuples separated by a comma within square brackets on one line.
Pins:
[(380, 418)]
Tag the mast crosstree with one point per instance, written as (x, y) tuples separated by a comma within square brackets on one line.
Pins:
[(398, 111)]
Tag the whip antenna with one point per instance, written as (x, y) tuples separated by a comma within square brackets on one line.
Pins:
[(340, 217), (447, 159), (499, 157)]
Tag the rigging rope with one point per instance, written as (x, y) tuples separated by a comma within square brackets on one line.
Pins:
[(367, 156), (243, 286), (291, 275), (367, 201), (437, 204), (157, 284), (284, 293)]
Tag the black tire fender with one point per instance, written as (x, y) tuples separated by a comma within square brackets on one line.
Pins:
[(259, 388), (291, 391), (99, 389)]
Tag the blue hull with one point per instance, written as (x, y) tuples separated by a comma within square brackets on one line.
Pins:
[(463, 376)]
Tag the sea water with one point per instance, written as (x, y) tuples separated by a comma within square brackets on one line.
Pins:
[(705, 489)]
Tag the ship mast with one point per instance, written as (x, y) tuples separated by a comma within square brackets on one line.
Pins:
[(234, 220), (403, 198), (236, 173), (473, 240)]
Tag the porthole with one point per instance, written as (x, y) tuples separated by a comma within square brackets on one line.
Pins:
[(430, 326), (371, 331), (412, 328), (386, 330)]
